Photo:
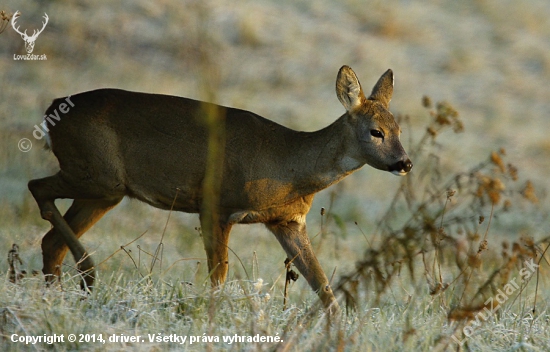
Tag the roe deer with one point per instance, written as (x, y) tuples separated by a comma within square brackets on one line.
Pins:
[(114, 143)]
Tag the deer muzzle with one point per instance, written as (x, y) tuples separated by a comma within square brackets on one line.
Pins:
[(401, 168)]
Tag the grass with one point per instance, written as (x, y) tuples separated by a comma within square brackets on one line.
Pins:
[(409, 256), (125, 306), (433, 276)]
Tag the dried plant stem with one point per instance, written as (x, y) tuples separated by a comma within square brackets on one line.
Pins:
[(161, 244)]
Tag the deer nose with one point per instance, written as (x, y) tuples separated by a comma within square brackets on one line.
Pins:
[(401, 167), (407, 165)]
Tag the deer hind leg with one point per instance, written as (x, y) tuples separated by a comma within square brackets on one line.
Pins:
[(79, 218), (294, 239), (216, 241)]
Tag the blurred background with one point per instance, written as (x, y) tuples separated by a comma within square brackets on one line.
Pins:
[(489, 58)]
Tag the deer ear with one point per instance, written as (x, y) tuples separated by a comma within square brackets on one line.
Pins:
[(348, 88), (383, 89)]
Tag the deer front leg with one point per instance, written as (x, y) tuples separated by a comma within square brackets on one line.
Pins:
[(216, 240), (294, 239)]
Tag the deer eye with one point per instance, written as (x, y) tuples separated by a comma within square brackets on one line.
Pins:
[(377, 133)]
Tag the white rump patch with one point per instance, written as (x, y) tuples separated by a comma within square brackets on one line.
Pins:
[(48, 140)]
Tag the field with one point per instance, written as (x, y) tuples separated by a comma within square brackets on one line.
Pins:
[(450, 257)]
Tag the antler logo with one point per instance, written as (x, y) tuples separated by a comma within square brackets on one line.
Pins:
[(29, 40)]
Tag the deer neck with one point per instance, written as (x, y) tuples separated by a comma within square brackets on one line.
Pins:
[(326, 156)]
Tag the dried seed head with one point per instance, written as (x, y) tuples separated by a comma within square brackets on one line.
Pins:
[(458, 126), (513, 172), (4, 20), (529, 193), (527, 241), (258, 285), (4, 16), (435, 289), (483, 245), (474, 261), (507, 205), (450, 193), (442, 119), (497, 160), (504, 255), (426, 101), (444, 108), (492, 187)]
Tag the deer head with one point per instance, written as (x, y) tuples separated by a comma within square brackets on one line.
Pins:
[(29, 40), (376, 128)]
